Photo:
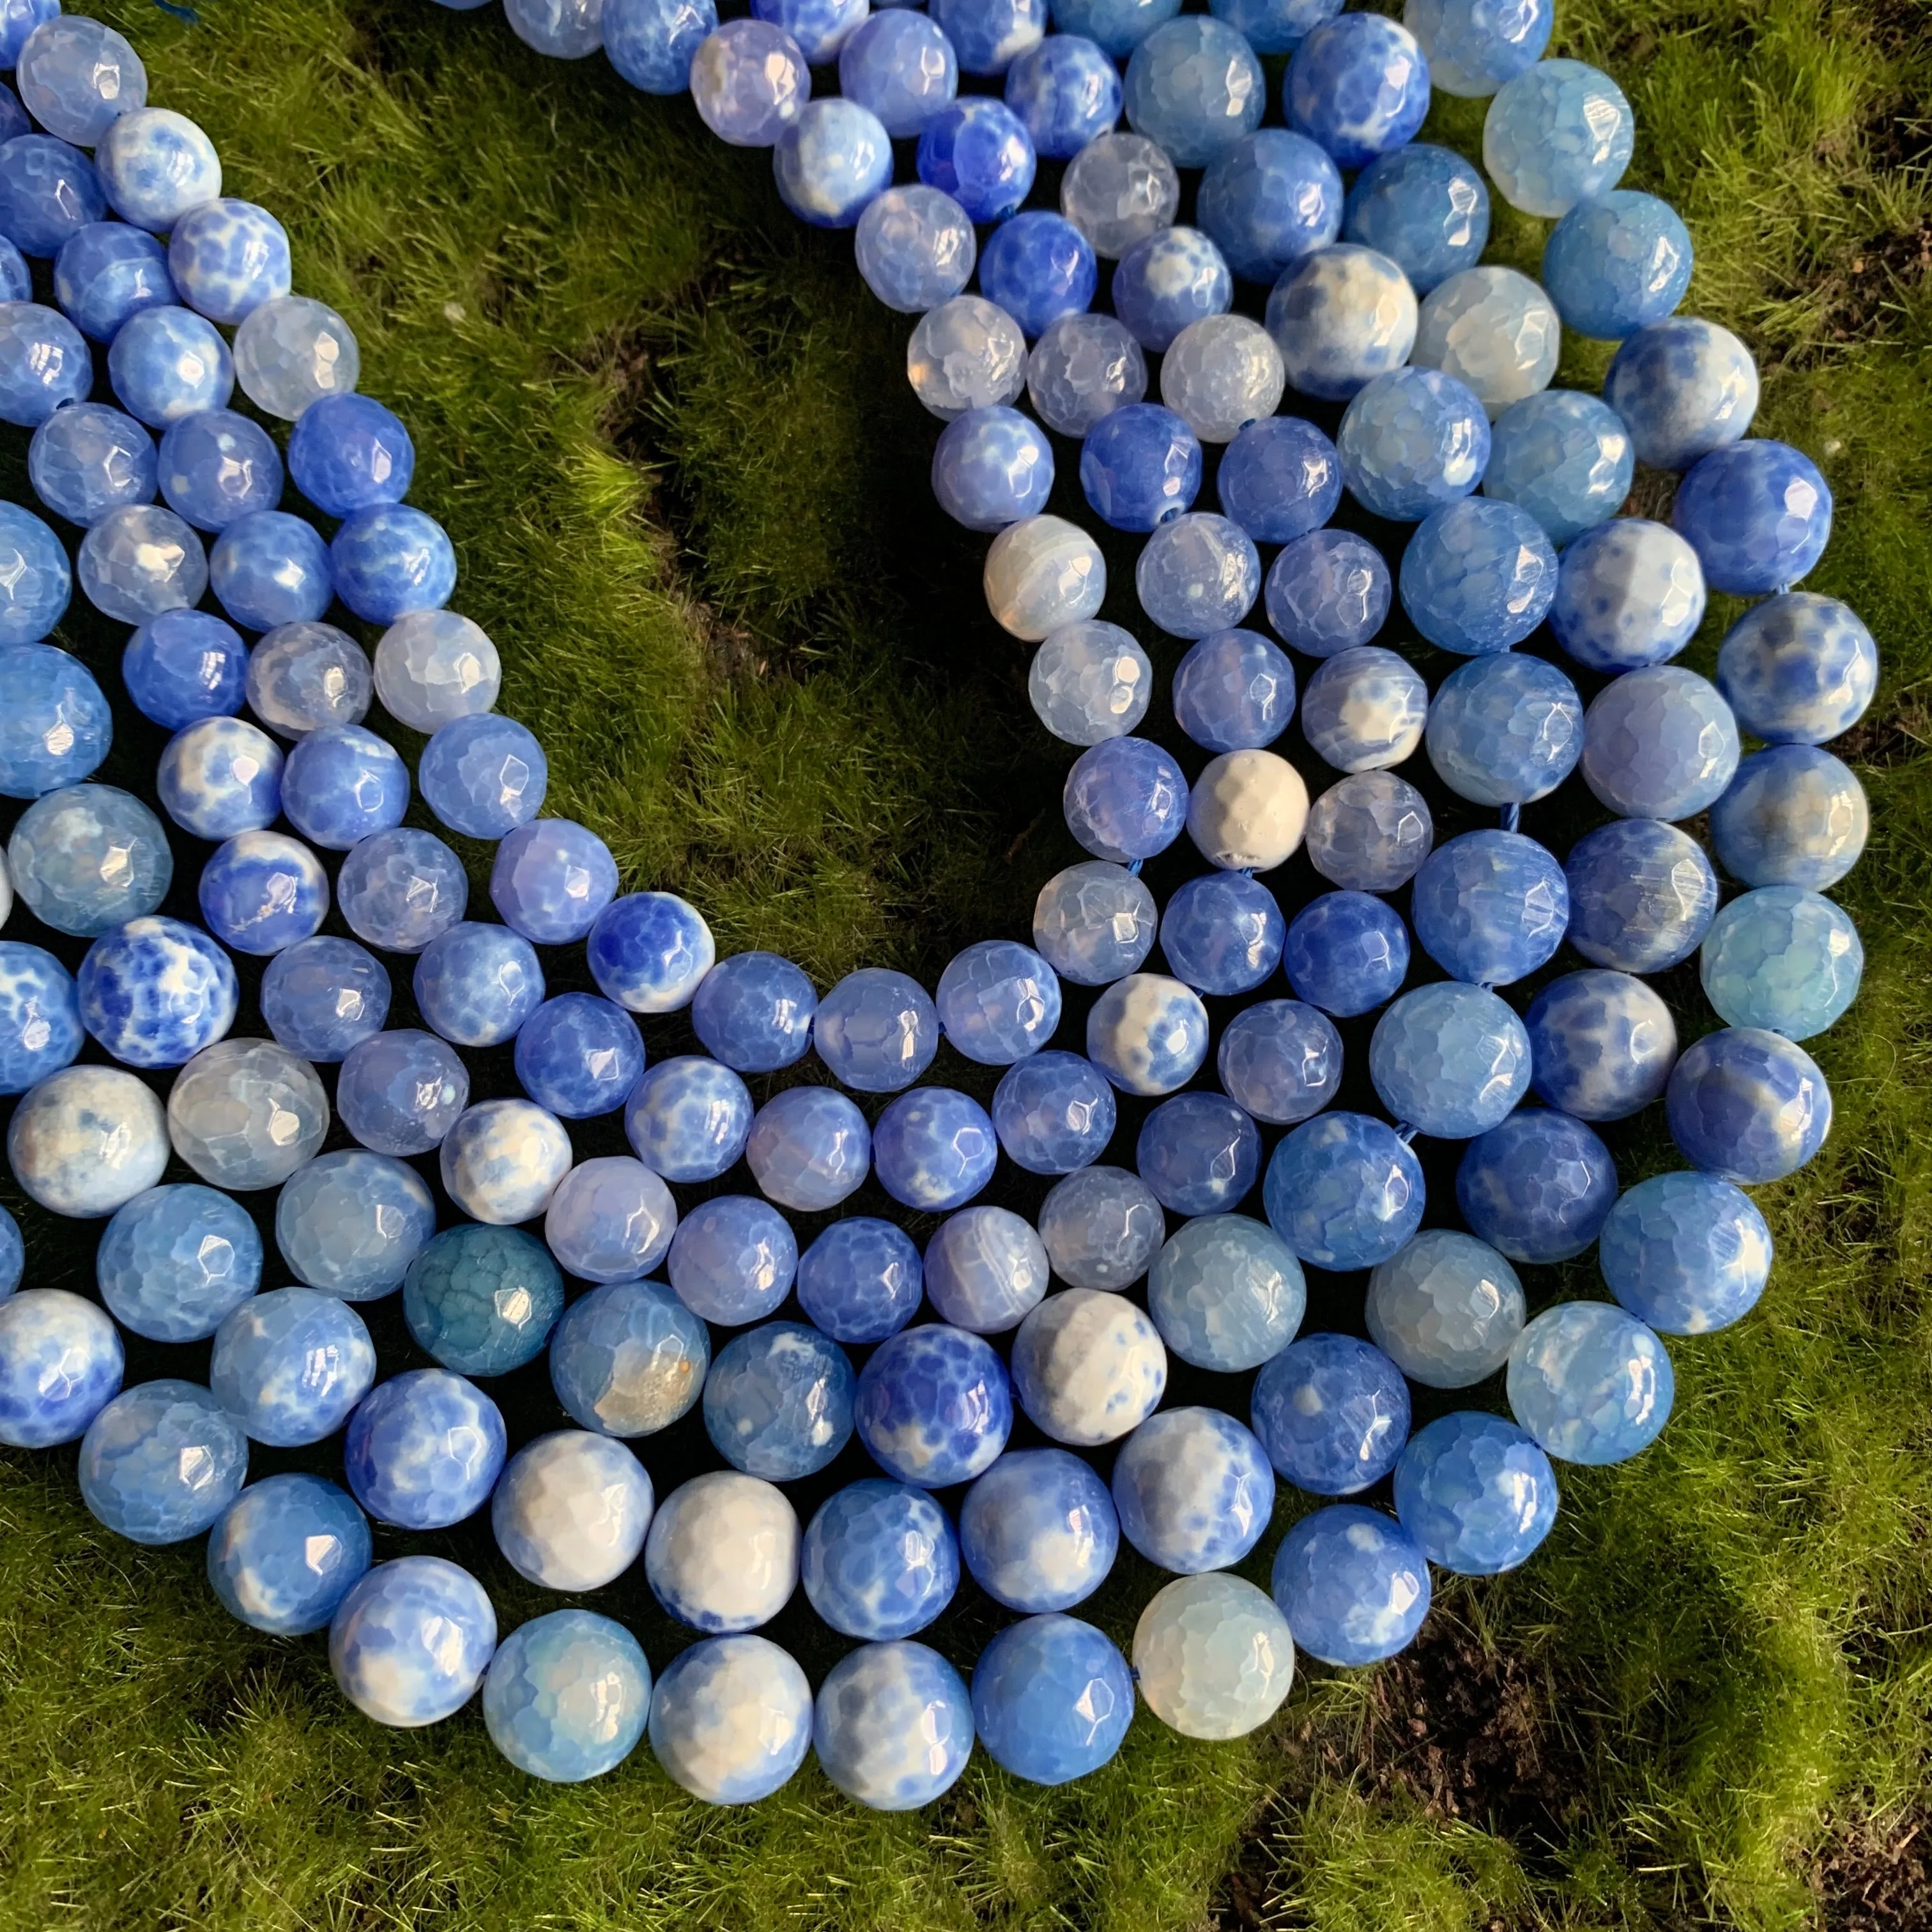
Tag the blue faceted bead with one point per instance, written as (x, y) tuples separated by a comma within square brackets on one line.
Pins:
[(977, 151), (269, 568), (1489, 907), (1504, 729), (809, 1147), (831, 161), (221, 776), (286, 1552), (1748, 1104), (341, 783), (352, 1223), (985, 1270), (1757, 513), (1684, 387), (1038, 267), (1117, 26), (1474, 45), (154, 992), (1476, 1493), (860, 1281), (1659, 742), (1426, 208), (1352, 1583), (879, 1561), (1685, 1253), (934, 1406), (161, 1462), (1126, 799), (1332, 1414), (732, 1259), (1280, 479), (754, 1011), (915, 244), (1370, 832), (1101, 1227), (1327, 591), (502, 1160), (1168, 279), (878, 1030), (1794, 815), (1194, 1490), (476, 984), (1783, 959), (174, 1262), (107, 272), (410, 1641), (1054, 1112), (1094, 922), (391, 560), (1445, 1309), (228, 257), (1341, 316), (778, 1403), (1140, 465), (1194, 86), (1222, 934), (1275, 26), (893, 1726), (551, 879), (18, 19), (567, 1695), (1233, 691), (44, 364), (1343, 1191), (1280, 1061), (748, 81), (610, 1220), (39, 1016), (991, 34), (13, 1256), (628, 1358), (217, 466), (1226, 1293), (1066, 91), (13, 26), (1268, 200), (821, 27), (1147, 1034), (998, 1001), (154, 166), (1602, 1043), (87, 857), (1197, 574), (1198, 1153), (688, 1118), (1089, 680), (1798, 669), (1537, 1187), (1565, 458), (651, 42), (1449, 1060), (322, 997), (49, 193), (1038, 1531), (61, 1364), (580, 1056), (1052, 1698), (1346, 952), (168, 363), (54, 724), (400, 1093), (290, 1365), (182, 666), (1411, 440), (1555, 134), (77, 76), (1616, 262), (1359, 86), (347, 453), (87, 459), (17, 281), (901, 67), (424, 1450), (731, 1719), (483, 775), (401, 889), (648, 951), (139, 561), (1478, 575), (1590, 1383), (991, 466), (35, 582), (1642, 894), (934, 1148)]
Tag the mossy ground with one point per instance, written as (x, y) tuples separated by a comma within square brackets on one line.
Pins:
[(673, 441)]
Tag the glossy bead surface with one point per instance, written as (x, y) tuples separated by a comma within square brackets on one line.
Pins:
[(349, 453), (900, 66), (291, 352), (1478, 576), (1757, 513), (830, 161), (1345, 953), (1445, 1309), (731, 1720), (1359, 85), (915, 248), (1198, 574), (86, 857), (1213, 1657), (1088, 1366), (107, 272), (352, 1223), (1148, 1034), (1476, 1492), (1424, 207), (688, 1118), (1332, 1414), (648, 951), (1603, 1044), (1280, 1061), (285, 1552), (1054, 1112), (732, 1259), (1052, 1698), (749, 83), (401, 889), (482, 1300), (86, 1139), (934, 1148), (1353, 1584), (1221, 374), (1094, 922), (1490, 907), (1537, 1187), (221, 776), (269, 569), (985, 1270), (879, 1561), (183, 666), (154, 166), (321, 997), (1193, 1489), (1198, 1153), (1083, 368), (1685, 1253), (227, 257), (49, 193), (1411, 440), (809, 1148), (1590, 1383), (483, 776), (991, 467), (1194, 86), (990, 36), (860, 1281), (76, 77), (778, 1401), (1090, 681), (217, 466), (1041, 573), (1787, 961), (1343, 1191), (1038, 267), (41, 1031), (1327, 591), (1641, 896), (477, 985), (1121, 187), (611, 1218), (1038, 1531), (502, 1160), (1659, 742), (1473, 46), (1222, 934), (1493, 330), (628, 1358), (998, 1001), (391, 559), (139, 560), (754, 1012), (1226, 1293), (290, 1365), (567, 1695), (410, 1642), (978, 151), (579, 1056), (1449, 1060), (722, 1553), (1341, 316), (1629, 593), (302, 676), (1747, 1105), (551, 879), (1798, 669), (1794, 815), (87, 459), (1140, 465), (168, 363), (245, 1114), (341, 783), (934, 1406), (60, 1364), (1066, 91), (154, 991), (1616, 262), (424, 1450), (1268, 200), (1555, 134), (893, 1726), (1504, 729), (400, 1093), (1684, 387), (1565, 458), (1168, 279)]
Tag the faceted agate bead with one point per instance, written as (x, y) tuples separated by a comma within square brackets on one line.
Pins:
[(1659, 742), (217, 466), (1449, 1060), (778, 1402), (352, 1223), (1747, 1105), (732, 1259), (1537, 1187), (1794, 815), (1493, 329), (1786, 960), (1341, 316), (628, 1358), (722, 1552), (1194, 86), (291, 352), (107, 272), (567, 1695), (1125, 799), (139, 560), (183, 666), (1094, 922), (1327, 591), (391, 559), (1052, 1698), (1332, 1414), (1222, 934), (222, 775), (1642, 894), (1167, 280), (483, 776), (892, 1727), (821, 28), (1345, 953), (1343, 1191), (1590, 1383), (168, 363), (76, 77), (154, 991), (1233, 691), (1038, 267), (1066, 91), (35, 587), (400, 1093), (1504, 729), (1270, 199), (1629, 593), (285, 1552), (1121, 187), (424, 1450), (1280, 1061), (60, 1364), (86, 857), (1101, 1226), (1358, 84), (1193, 1490), (934, 1406), (87, 459), (551, 879), (1426, 208), (269, 568), (809, 1148), (349, 453), (1616, 262), (55, 723), (934, 1148), (901, 67), (860, 1280), (1798, 669), (1364, 709), (877, 1031), (1476, 1492), (879, 1561), (990, 37), (1038, 1531), (410, 1642), (580, 1056), (502, 1160), (1140, 465), (289, 1366), (1054, 1112), (1280, 479), (985, 1270), (1478, 575), (749, 82), (731, 1720), (1565, 458), (610, 1220), (321, 997), (1198, 574), (1557, 133), (1474, 48), (915, 246), (155, 165), (1089, 682), (341, 783), (998, 1001), (991, 467), (476, 984), (1083, 368), (1147, 1034), (1412, 439), (830, 161), (979, 151), (1212, 1656), (245, 1114), (1757, 513), (161, 1462), (227, 257), (175, 1261), (1041, 573), (1685, 1253), (1445, 1309), (39, 1016), (754, 1012), (1226, 1293), (1684, 387), (649, 951), (1221, 374), (433, 667), (49, 192), (399, 889), (1352, 1583), (1603, 1044), (688, 1118), (1117, 26), (1198, 1153), (1088, 1367), (261, 892)]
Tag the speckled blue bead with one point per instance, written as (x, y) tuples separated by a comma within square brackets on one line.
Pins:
[(1747, 1105), (222, 775), (154, 991), (1140, 465), (1341, 316), (424, 1450), (998, 1001), (893, 1726), (322, 997), (168, 363), (1089, 681), (580, 1056), (1054, 1112), (182, 666), (1603, 1044), (732, 1259), (1557, 133), (1783, 959), (831, 161), (1353, 1584), (216, 467), (174, 1262), (1038, 267), (342, 784), (228, 257), (1566, 459), (934, 1148), (1269, 199), (1332, 1414), (1052, 1699), (392, 560), (1280, 1061), (610, 1220), (1641, 896), (1615, 262), (1445, 1309), (285, 1552), (1476, 1492), (1411, 440), (1590, 1383), (60, 1364), (1193, 1490), (139, 560), (1198, 1153), (1118, 26), (269, 568), (1478, 575), (87, 459), (934, 1406), (1038, 1531), (1359, 86), (567, 1696), (1328, 592), (1343, 1191), (821, 27), (689, 1118), (991, 466), (1757, 513), (290, 1365), (731, 1720), (49, 193), (39, 1016), (551, 879), (1798, 669), (401, 889), (778, 1402), (1794, 815), (410, 1641), (1449, 1060), (1684, 387), (1194, 86), (628, 1358), (1630, 592), (901, 67), (1226, 1293), (1197, 574), (1167, 281), (991, 34), (86, 857), (161, 1462), (1147, 1034), (915, 244), (860, 1281), (351, 1223), (1094, 922), (1222, 934), (1490, 907), (754, 1012), (107, 272), (809, 1148), (879, 1561), (1126, 799), (748, 81), (877, 1031), (476, 984), (1504, 729), (648, 951), (1659, 742), (1426, 208), (154, 166), (1346, 952), (1537, 1187), (977, 151), (1685, 1253), (400, 1093), (1066, 91)]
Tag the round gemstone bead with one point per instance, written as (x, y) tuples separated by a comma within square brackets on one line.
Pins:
[(580, 1056), (1341, 316), (175, 1261), (352, 1223), (168, 363), (483, 776), (966, 354), (830, 161), (1757, 513), (689, 1118), (245, 1114), (749, 82), (915, 245), (628, 1358), (651, 43), (1280, 1061), (564, 29), (1101, 1227), (1193, 1489), (1345, 953), (503, 1159), (341, 783), (934, 1148), (400, 1093), (1121, 187), (1364, 709), (87, 857), (1537, 1187), (1090, 681), (1246, 810), (1125, 799), (60, 1364), (348, 454), (722, 1552), (1476, 1493), (1424, 207), (1067, 92), (1117, 26), (1445, 1309), (1088, 1367), (154, 992), (879, 1561), (1659, 742), (49, 193), (1327, 591), (1794, 815), (410, 1642), (1194, 86), (1198, 1153), (1168, 279), (1449, 1060), (1603, 1044), (1054, 1112), (1504, 729), (877, 1031), (476, 984), (1782, 959), (1641, 896), (551, 879), (1140, 466), (1083, 368), (1490, 907), (1747, 1105), (985, 1270), (610, 1220), (1343, 1191), (1685, 1253), (1226, 1293), (155, 165), (1094, 922), (860, 1281), (1052, 1698), (140, 560), (1213, 1657), (567, 1695), (1221, 374), (900, 66), (227, 257), (1474, 47), (303, 676), (77, 76), (1233, 691), (1494, 330), (285, 1552), (1270, 199), (39, 1016), (992, 34), (731, 1719), (1280, 479), (221, 776), (893, 1726), (778, 1403), (1369, 832), (649, 951), (271, 570), (1565, 458), (809, 1147), (1041, 573), (1478, 575), (161, 1462), (1629, 593), (934, 1406), (991, 467), (289, 1366), (217, 466), (1038, 1531), (978, 151), (322, 997), (183, 666), (107, 272), (55, 729), (998, 1001), (1038, 267), (87, 459), (1358, 84), (424, 1450), (1555, 134), (399, 889), (391, 559), (1798, 669), (1352, 1583), (1616, 261), (291, 352), (1411, 440), (1332, 1414), (1590, 1383), (1198, 574), (37, 585), (1222, 934), (1684, 387), (754, 1012), (1147, 1034), (432, 667), (732, 1259)]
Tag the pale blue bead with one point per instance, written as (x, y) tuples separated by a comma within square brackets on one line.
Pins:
[(351, 1223), (154, 166), (893, 1726), (87, 459), (1054, 1112), (1280, 1061), (1328, 592), (77, 76), (1222, 934), (1757, 513), (1445, 1309), (1094, 922), (1198, 1153), (410, 1641), (1615, 262), (1794, 815), (731, 1720), (61, 1364), (1590, 1383), (292, 352), (86, 857), (39, 1016), (1565, 458), (1798, 669), (86, 1139), (391, 559), (1039, 267), (1684, 387), (1782, 959), (1066, 91), (1194, 1490), (628, 1358), (1353, 1584), (1052, 1698), (154, 992), (107, 272), (1198, 574), (1629, 593), (579, 1056), (217, 466), (174, 1262), (1125, 799), (1426, 208), (285, 1552), (321, 997), (245, 1114), (1194, 86), (1504, 729), (977, 151), (571, 1510), (1642, 894), (341, 785), (1359, 86), (1168, 279), (809, 1147), (1748, 1104), (1536, 1188), (347, 453), (1038, 1531), (1101, 1228), (290, 1365), (401, 889), (1226, 1293), (754, 1012), (269, 568), (1411, 440), (748, 81), (1449, 1060), (1343, 1191), (1147, 1034), (49, 192), (1490, 907), (688, 1118), (1685, 1253), (567, 1696), (991, 34), (563, 29), (400, 1093), (424, 1450), (934, 1148), (900, 66), (168, 363), (502, 1160), (1090, 681), (651, 42), (18, 19), (1476, 1493), (1280, 479), (182, 666), (610, 1220), (1233, 691), (1117, 26), (1332, 1414), (778, 1403), (1478, 575), (985, 1271), (998, 1001), (161, 1462), (1269, 199), (934, 1406), (1345, 953), (879, 1561), (1370, 832), (915, 244), (860, 1281), (1603, 1044), (35, 582), (1659, 742), (228, 257), (476, 984), (551, 879), (1494, 329), (1140, 466), (991, 467), (1557, 133), (1474, 45), (140, 560), (1121, 187), (830, 161), (648, 951), (1341, 316), (732, 1259)]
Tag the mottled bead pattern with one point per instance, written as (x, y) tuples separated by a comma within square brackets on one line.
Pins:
[(1226, 1293), (1343, 1191), (831, 160), (289, 1366), (1474, 45), (1641, 896), (1094, 922), (1054, 1113), (85, 857), (1353, 1584), (1269, 200), (579, 1055), (87, 459), (1424, 207), (39, 1016), (778, 1403), (49, 193), (76, 76), (184, 666), (1101, 1227), (1125, 799), (1221, 374), (628, 1359), (424, 1450), (1140, 466), (221, 776), (352, 1223), (567, 1695), (86, 1139), (1147, 1034), (1616, 262), (390, 560), (749, 82), (1747, 1105), (1798, 669), (1066, 91), (1052, 1698), (1083, 368), (1038, 1531), (1089, 682), (809, 1147), (410, 1642), (154, 991), (1493, 330), (1280, 479), (985, 1270), (1490, 907), (1117, 26), (1168, 279), (1476, 1492), (879, 1561), (1119, 188), (892, 1727), (1213, 1656), (1629, 593), (1505, 729), (1341, 316), (1331, 1413), (168, 363), (1565, 458), (551, 879), (292, 351), (1685, 1253), (731, 1719), (1364, 709), (139, 560), (1345, 953), (915, 248), (227, 257), (477, 986), (1222, 933), (722, 1552), (342, 784), (154, 166), (1537, 1187), (400, 1093), (245, 1114), (502, 1161), (1794, 815), (285, 1552), (1412, 439), (1327, 591), (1685, 387), (689, 1118), (483, 776), (991, 36), (651, 43), (1194, 86), (107, 272), (934, 1406), (401, 889), (322, 997), (61, 1364), (1590, 1383), (1556, 134), (1449, 1060), (1280, 1061), (1603, 1043), (1757, 513), (1787, 961), (860, 1280), (901, 67), (482, 1300), (1477, 576), (1087, 1366), (1198, 1153), (1445, 1309), (1193, 1490), (1359, 86)]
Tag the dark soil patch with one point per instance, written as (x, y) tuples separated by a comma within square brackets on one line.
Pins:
[(1877, 1878)]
